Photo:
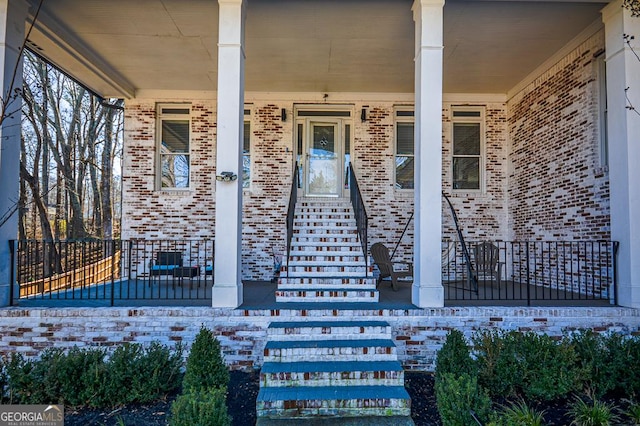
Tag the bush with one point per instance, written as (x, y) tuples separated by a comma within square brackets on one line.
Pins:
[(200, 408), (498, 361), (518, 414), (143, 374), (526, 364), (592, 413), (594, 362), (57, 378), (205, 366), (85, 377), (454, 357), (460, 396)]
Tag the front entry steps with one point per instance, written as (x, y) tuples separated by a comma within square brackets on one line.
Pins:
[(330, 372)]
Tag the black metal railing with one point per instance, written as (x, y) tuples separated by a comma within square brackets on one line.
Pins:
[(112, 270), (362, 220), (291, 209), (531, 271)]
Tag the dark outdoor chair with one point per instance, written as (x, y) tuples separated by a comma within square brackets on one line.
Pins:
[(165, 263), (486, 258), (388, 268)]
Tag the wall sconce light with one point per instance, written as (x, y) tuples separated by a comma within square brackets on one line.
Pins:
[(283, 114), (226, 177), (363, 115)]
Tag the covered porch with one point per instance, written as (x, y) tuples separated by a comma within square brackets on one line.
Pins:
[(275, 59)]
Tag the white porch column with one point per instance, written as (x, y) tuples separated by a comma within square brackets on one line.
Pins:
[(13, 14), (427, 283), (227, 290), (623, 71)]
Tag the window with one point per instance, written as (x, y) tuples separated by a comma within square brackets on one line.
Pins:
[(467, 162), (174, 122), (404, 149), (246, 150), (602, 109)]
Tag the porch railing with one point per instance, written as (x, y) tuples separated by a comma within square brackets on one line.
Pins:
[(291, 209), (531, 271), (362, 220), (113, 270)]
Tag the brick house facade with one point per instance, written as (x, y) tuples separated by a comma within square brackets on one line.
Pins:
[(538, 184), (553, 162)]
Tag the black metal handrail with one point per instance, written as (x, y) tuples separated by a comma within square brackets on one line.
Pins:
[(293, 199), (362, 220), (472, 277)]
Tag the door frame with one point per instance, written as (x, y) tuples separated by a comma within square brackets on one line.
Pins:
[(305, 117)]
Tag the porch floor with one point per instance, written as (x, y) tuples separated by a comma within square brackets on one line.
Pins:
[(261, 295)]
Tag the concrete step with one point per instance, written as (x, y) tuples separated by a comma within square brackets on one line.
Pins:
[(324, 272), (333, 240), (311, 330), (318, 263), (330, 350), (337, 281), (345, 373), (343, 401), (324, 222), (326, 256), (346, 215), (326, 295)]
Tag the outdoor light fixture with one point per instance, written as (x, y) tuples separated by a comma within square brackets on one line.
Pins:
[(363, 115), (283, 114), (226, 177)]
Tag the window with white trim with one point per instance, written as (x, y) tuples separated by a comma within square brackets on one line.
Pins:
[(174, 140), (468, 148), (404, 149), (246, 150), (602, 109)]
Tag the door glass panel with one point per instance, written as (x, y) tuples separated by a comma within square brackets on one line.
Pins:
[(323, 160)]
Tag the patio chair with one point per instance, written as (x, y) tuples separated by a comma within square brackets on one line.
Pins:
[(388, 268), (165, 263), (486, 257)]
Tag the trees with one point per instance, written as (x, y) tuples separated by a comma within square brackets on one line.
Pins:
[(70, 145)]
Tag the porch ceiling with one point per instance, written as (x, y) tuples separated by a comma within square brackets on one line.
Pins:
[(120, 47)]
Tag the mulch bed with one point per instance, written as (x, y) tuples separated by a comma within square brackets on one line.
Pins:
[(241, 401)]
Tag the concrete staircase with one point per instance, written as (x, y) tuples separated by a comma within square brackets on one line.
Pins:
[(329, 371)]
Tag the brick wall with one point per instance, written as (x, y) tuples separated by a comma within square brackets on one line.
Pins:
[(541, 173), (418, 333), (558, 189), (153, 214)]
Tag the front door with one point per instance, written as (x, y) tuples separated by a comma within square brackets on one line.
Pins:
[(324, 153)]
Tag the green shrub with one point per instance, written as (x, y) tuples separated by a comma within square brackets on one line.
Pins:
[(593, 360), (454, 357), (77, 378), (143, 375), (205, 366), (4, 380), (458, 396), (85, 377), (200, 408), (592, 413), (633, 412), (498, 362), (625, 352), (526, 364), (518, 414)]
